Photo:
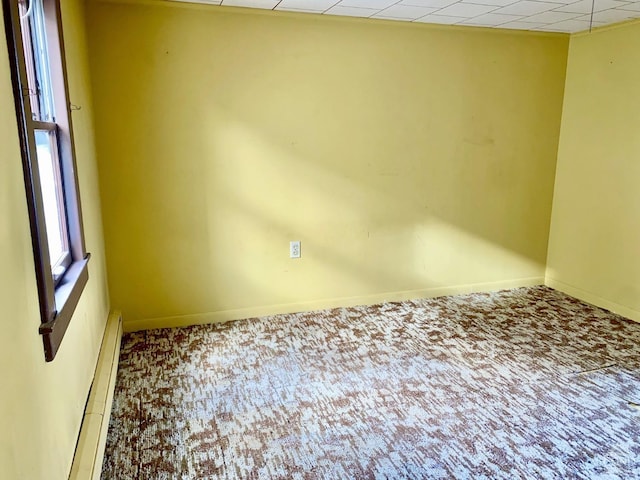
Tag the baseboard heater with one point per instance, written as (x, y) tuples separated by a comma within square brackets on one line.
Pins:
[(87, 461)]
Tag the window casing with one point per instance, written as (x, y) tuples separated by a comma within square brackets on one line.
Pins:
[(34, 37)]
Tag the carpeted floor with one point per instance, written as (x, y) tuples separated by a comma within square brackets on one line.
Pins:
[(525, 383)]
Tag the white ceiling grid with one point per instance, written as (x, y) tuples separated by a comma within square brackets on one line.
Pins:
[(566, 16)]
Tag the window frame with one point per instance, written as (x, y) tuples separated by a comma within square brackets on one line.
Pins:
[(58, 297)]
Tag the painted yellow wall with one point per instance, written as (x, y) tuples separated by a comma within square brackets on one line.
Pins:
[(406, 158), (594, 242), (41, 404)]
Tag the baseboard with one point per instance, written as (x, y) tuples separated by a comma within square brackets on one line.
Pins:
[(87, 461), (593, 299), (262, 311)]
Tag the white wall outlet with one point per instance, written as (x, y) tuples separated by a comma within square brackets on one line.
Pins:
[(294, 249)]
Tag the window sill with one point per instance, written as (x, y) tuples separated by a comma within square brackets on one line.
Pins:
[(67, 296)]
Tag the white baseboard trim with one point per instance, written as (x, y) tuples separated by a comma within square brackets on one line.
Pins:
[(593, 299), (87, 461), (262, 311)]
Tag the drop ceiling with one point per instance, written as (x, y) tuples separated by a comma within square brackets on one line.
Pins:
[(566, 16)]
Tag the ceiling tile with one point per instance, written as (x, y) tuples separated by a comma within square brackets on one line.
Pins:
[(267, 4), (376, 4), (404, 12), (547, 15), (635, 7), (552, 16), (527, 7), (569, 26), (466, 10), (521, 25), (610, 16), (395, 19), (491, 20), (351, 11), (428, 3), (584, 6), (299, 10), (440, 19), (317, 5), (497, 3), (561, 2)]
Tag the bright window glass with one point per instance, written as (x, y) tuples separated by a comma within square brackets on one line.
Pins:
[(52, 196), (34, 38)]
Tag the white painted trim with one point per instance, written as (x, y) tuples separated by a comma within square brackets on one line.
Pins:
[(593, 299), (87, 461), (262, 311)]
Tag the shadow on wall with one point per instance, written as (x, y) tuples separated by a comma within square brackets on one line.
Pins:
[(402, 158)]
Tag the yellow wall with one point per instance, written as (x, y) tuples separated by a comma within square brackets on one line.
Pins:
[(41, 404), (406, 158), (594, 243)]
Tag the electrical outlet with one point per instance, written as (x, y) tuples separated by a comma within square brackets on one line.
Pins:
[(294, 249)]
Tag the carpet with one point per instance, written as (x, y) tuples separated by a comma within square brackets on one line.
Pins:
[(522, 383)]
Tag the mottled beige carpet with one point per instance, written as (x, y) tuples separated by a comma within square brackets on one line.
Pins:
[(525, 383)]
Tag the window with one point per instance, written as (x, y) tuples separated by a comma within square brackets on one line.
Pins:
[(34, 36)]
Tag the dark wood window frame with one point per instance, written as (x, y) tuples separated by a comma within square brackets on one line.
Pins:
[(58, 295)]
